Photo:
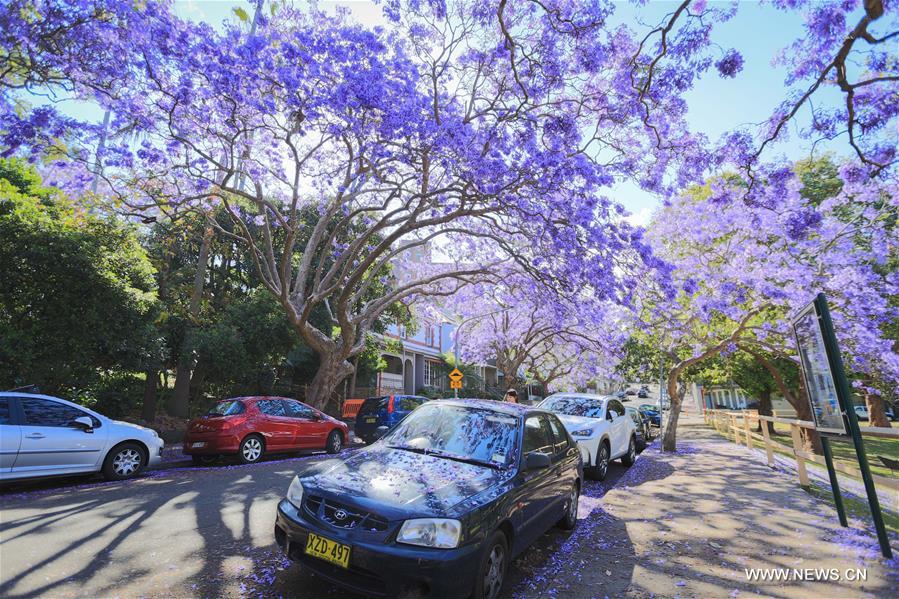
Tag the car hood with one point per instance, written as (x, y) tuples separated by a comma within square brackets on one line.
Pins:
[(136, 428), (575, 423), (400, 483)]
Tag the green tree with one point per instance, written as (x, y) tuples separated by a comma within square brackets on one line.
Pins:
[(77, 297)]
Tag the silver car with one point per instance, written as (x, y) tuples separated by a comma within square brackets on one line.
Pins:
[(47, 436)]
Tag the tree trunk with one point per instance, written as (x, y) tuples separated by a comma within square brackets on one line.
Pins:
[(148, 408), (877, 415), (765, 409), (179, 405), (810, 437), (352, 392), (331, 372), (675, 397), (197, 379)]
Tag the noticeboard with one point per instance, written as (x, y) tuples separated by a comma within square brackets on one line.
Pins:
[(816, 372)]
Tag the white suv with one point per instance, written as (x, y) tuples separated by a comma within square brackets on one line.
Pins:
[(599, 425), (47, 436)]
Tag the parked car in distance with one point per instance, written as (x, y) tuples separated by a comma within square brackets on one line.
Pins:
[(620, 394), (861, 412), (642, 427), (642, 394), (250, 427), (440, 505), (651, 412), (599, 425), (377, 415), (42, 435), (631, 392)]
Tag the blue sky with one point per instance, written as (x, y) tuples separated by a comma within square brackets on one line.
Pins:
[(716, 105)]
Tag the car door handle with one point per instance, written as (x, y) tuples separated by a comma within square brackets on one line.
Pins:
[(34, 436)]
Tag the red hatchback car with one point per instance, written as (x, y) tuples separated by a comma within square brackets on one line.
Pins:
[(252, 426)]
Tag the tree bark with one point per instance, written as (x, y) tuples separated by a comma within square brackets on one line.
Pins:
[(352, 392), (675, 398), (765, 409), (151, 386), (180, 403), (332, 371), (877, 415)]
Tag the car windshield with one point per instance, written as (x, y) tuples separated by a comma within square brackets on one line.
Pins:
[(649, 407), (228, 407), (586, 407), (459, 432)]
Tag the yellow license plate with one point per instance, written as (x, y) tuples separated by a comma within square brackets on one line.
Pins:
[(328, 550), (371, 420)]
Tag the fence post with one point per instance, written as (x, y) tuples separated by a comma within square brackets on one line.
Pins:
[(800, 461), (746, 429), (767, 437), (733, 423)]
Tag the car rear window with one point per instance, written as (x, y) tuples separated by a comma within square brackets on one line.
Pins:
[(372, 405), (227, 407), (409, 403)]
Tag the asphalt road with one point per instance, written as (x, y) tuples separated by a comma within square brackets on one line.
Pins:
[(179, 531)]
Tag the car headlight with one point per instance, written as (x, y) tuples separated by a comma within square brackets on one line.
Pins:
[(295, 493), (584, 432), (431, 532)]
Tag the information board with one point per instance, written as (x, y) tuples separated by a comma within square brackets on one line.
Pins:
[(819, 382)]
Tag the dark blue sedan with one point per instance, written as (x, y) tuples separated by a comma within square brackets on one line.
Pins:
[(377, 415), (652, 413), (439, 506)]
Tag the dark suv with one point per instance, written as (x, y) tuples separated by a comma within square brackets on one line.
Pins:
[(377, 415)]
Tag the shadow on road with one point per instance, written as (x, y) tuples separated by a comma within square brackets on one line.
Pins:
[(207, 532)]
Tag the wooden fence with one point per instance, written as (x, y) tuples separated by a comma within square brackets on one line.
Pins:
[(742, 425)]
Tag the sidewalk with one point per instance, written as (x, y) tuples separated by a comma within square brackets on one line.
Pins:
[(689, 525)]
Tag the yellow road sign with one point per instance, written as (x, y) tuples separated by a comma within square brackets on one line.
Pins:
[(455, 375), (455, 384)]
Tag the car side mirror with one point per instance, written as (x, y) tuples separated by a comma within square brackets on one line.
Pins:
[(536, 461), (84, 423)]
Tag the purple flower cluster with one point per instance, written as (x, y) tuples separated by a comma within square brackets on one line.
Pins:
[(730, 64)]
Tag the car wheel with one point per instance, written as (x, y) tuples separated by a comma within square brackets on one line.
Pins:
[(630, 457), (601, 468), (124, 461), (335, 442), (569, 520), (203, 460), (493, 568), (251, 449)]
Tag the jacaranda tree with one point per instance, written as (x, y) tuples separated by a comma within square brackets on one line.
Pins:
[(491, 130), (744, 269)]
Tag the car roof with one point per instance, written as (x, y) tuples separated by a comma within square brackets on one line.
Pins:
[(505, 407), (581, 396), (256, 398)]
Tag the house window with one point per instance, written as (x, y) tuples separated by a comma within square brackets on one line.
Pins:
[(432, 374)]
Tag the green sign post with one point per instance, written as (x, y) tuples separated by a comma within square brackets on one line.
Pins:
[(831, 403)]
